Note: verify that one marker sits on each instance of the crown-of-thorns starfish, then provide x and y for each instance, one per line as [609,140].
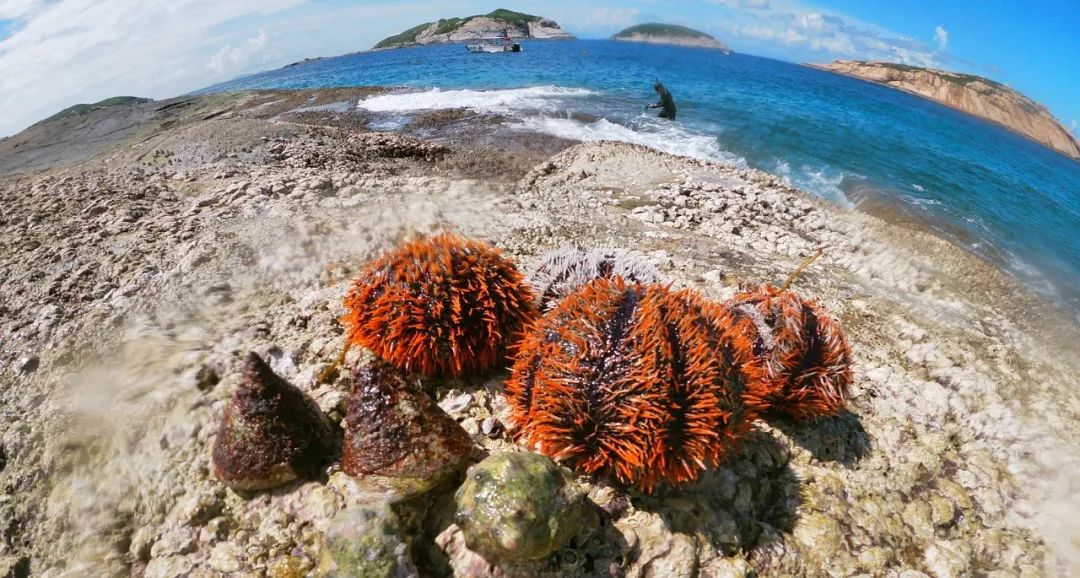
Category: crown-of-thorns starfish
[635,382]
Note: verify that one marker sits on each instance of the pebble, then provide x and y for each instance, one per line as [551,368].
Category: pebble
[171,567]
[456,405]
[29,364]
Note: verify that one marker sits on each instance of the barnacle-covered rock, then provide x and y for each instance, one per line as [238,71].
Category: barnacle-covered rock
[369,541]
[271,432]
[636,382]
[397,435]
[806,355]
[443,306]
[515,507]
[562,271]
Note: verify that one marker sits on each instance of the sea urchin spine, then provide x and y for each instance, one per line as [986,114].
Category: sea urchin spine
[442,306]
[804,351]
[562,271]
[636,382]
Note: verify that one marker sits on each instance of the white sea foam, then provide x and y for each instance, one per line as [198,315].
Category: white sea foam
[543,109]
[390,124]
[332,107]
[667,137]
[822,181]
[540,98]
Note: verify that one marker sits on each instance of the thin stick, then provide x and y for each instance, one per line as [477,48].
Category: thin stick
[331,372]
[795,274]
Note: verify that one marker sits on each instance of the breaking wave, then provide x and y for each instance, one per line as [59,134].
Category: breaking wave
[825,182]
[540,98]
[671,138]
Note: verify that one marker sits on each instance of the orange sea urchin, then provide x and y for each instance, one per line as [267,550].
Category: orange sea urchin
[633,381]
[802,348]
[442,306]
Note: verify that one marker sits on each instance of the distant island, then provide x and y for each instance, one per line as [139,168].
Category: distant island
[968,93]
[496,23]
[654,33]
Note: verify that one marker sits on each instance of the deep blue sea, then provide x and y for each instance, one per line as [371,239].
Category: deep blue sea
[1003,197]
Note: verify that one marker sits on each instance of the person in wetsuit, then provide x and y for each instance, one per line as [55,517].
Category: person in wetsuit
[666,101]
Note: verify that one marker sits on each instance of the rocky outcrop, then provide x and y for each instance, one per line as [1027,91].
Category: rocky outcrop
[498,23]
[669,34]
[974,95]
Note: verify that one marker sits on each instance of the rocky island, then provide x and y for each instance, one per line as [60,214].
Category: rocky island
[496,23]
[206,249]
[654,33]
[968,93]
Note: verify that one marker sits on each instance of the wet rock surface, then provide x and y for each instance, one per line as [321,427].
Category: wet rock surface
[129,273]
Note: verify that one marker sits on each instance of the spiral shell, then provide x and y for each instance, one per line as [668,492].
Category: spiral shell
[271,432]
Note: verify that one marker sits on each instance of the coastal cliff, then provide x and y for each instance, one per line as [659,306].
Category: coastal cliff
[496,23]
[974,95]
[654,33]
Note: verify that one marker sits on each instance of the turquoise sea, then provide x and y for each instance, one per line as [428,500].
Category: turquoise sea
[1003,197]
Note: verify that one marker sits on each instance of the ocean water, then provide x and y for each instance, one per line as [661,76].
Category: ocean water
[851,142]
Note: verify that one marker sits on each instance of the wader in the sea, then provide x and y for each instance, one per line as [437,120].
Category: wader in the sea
[666,102]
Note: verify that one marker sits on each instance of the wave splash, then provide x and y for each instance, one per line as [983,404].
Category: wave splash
[540,98]
[671,139]
[549,110]
[825,182]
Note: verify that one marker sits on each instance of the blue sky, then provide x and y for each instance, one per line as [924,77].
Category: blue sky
[54,53]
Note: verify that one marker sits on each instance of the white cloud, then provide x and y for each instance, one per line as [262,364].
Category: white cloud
[232,60]
[13,9]
[790,29]
[1072,125]
[84,50]
[602,20]
[751,4]
[941,37]
[63,52]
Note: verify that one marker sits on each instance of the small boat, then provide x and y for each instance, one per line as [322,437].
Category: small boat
[494,44]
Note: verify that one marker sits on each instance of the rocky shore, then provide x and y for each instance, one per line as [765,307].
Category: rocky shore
[139,279]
